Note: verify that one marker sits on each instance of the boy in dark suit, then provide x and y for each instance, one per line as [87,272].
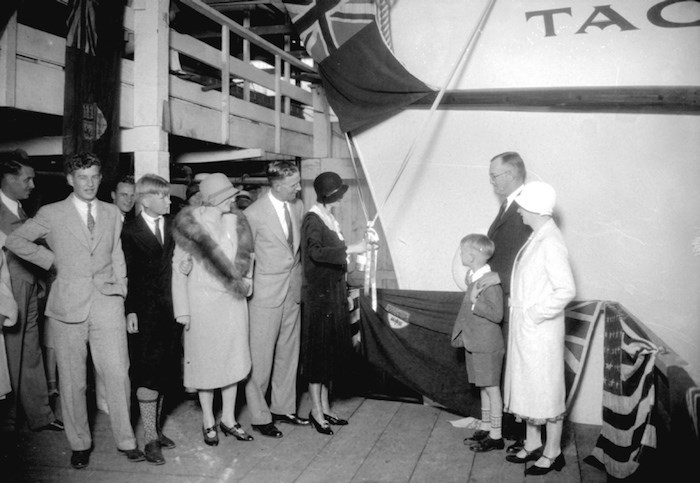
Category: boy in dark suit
[477,329]
[153,339]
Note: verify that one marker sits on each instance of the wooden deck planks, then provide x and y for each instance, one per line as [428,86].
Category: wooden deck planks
[386,441]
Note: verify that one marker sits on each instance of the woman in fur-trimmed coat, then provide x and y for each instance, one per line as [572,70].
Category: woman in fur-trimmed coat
[211,265]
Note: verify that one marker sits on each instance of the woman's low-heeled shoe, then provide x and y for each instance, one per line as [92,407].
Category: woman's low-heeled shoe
[236,431]
[533,455]
[211,441]
[335,421]
[320,428]
[556,464]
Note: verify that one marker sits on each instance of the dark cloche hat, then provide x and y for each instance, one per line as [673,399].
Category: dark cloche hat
[329,187]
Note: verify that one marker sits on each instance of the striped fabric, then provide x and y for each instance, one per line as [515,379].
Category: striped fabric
[628,395]
[581,319]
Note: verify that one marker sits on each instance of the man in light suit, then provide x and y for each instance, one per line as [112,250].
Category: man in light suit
[86,301]
[275,220]
[22,341]
[508,232]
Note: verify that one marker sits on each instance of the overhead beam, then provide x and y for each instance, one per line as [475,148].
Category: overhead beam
[649,99]
[217,156]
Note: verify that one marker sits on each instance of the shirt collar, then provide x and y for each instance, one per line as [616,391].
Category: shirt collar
[474,276]
[12,205]
[511,197]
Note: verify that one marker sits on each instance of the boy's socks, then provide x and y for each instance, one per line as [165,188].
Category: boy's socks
[495,430]
[485,419]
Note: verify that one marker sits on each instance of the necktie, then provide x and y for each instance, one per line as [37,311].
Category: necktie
[22,215]
[502,210]
[90,219]
[159,235]
[288,219]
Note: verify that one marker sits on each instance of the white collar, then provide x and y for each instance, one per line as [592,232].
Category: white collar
[474,276]
[12,205]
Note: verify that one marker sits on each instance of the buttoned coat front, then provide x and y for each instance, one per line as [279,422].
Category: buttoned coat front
[541,286]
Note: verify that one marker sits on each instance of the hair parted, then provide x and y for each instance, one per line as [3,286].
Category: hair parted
[152,184]
[480,243]
[11,162]
[515,161]
[278,170]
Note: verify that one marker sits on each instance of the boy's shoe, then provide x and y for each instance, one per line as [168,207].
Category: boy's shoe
[487,444]
[478,435]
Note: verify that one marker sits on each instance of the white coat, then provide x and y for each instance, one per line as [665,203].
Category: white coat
[541,286]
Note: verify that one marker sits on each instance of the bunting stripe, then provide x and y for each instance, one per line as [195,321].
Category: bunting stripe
[628,396]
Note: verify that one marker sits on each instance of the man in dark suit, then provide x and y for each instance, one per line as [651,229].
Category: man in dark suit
[123,196]
[22,341]
[86,302]
[153,334]
[509,233]
[275,220]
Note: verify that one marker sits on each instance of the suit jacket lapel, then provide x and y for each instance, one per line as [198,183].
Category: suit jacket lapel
[144,233]
[102,223]
[510,212]
[75,223]
[273,221]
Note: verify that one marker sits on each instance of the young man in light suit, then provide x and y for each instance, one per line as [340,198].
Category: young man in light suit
[275,220]
[86,301]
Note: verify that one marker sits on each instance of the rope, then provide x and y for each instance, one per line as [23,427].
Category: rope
[384,17]
[462,58]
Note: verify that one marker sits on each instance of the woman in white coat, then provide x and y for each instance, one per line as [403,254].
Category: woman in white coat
[541,286]
[211,279]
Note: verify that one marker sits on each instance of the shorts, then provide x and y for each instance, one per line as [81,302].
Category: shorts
[484,368]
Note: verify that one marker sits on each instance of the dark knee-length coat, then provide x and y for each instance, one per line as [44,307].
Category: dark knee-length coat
[325,331]
[155,350]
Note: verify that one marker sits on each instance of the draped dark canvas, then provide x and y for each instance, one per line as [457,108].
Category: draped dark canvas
[365,83]
[92,82]
[419,355]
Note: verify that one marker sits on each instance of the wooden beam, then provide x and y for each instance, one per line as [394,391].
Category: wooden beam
[273,30]
[649,99]
[216,156]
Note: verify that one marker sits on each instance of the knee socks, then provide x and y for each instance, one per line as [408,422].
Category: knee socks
[485,419]
[148,404]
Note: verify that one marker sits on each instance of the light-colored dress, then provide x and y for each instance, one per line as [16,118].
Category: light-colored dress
[541,286]
[207,287]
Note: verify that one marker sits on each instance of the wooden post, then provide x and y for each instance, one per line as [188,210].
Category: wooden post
[8,63]
[225,83]
[278,104]
[151,57]
[322,124]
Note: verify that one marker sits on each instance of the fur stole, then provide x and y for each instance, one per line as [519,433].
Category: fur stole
[192,237]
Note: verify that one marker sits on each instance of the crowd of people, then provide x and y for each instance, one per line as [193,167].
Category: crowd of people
[209,299]
[217,297]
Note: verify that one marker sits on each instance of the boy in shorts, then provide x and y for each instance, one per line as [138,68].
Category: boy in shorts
[477,329]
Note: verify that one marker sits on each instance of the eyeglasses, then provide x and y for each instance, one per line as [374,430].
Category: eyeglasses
[494,176]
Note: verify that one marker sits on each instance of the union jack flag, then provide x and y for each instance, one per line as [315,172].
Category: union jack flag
[581,319]
[324,25]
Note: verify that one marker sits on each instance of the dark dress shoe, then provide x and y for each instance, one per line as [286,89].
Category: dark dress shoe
[289,419]
[516,447]
[80,459]
[533,455]
[236,431]
[134,455]
[335,421]
[487,444]
[55,425]
[269,430]
[478,435]
[324,428]
[210,440]
[153,453]
[554,464]
[165,442]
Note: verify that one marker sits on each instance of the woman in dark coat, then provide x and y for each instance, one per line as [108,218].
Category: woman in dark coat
[325,333]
